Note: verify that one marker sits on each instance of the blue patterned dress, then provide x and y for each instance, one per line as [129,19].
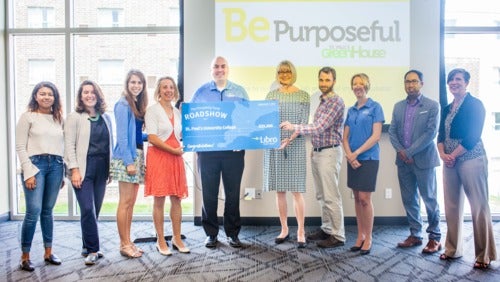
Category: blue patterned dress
[285,170]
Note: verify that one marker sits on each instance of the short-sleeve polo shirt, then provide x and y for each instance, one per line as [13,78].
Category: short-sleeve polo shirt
[360,122]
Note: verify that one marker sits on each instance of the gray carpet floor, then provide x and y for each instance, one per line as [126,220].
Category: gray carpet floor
[260,260]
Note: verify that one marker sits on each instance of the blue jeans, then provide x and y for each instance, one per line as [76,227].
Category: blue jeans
[41,200]
[414,182]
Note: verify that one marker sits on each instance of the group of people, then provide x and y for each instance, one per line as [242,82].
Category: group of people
[82,147]
[358,136]
[416,121]
[84,142]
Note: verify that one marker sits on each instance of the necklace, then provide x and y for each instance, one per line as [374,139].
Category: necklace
[96,118]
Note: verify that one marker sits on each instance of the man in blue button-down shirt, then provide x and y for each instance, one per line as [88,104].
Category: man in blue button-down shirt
[229,164]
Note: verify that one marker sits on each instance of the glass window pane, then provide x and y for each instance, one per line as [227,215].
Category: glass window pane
[41,69]
[41,17]
[38,14]
[104,58]
[125,13]
[107,62]
[481,13]
[110,17]
[110,72]
[37,58]
[112,56]
[33,63]
[474,52]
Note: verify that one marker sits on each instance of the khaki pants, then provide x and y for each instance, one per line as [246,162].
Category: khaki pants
[325,170]
[470,178]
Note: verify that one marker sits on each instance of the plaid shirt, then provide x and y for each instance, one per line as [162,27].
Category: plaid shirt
[326,129]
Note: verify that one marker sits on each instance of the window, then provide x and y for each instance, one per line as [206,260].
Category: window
[110,71]
[41,17]
[173,66]
[40,70]
[74,50]
[110,18]
[496,117]
[474,46]
[174,16]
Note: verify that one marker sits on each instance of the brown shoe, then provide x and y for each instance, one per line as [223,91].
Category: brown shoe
[410,242]
[330,242]
[318,235]
[432,247]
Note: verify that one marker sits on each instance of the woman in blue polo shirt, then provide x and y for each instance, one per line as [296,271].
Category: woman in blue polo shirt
[362,130]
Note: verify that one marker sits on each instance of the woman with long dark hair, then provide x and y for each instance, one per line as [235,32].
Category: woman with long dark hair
[40,147]
[127,165]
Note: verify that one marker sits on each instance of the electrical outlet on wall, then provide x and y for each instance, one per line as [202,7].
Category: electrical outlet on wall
[388,193]
[249,193]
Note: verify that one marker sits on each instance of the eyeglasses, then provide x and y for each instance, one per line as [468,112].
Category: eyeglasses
[285,72]
[412,81]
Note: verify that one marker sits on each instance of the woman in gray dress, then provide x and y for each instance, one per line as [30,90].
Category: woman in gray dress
[285,168]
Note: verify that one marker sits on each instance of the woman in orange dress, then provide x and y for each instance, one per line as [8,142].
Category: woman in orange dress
[165,174]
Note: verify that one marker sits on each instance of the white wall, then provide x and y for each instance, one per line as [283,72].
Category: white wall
[199,34]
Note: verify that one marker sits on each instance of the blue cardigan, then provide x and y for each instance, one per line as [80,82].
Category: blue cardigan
[125,148]
[467,124]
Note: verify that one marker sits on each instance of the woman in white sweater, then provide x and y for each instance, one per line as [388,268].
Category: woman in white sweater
[40,146]
[166,176]
[88,146]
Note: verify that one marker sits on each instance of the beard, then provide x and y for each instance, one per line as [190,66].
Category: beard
[326,90]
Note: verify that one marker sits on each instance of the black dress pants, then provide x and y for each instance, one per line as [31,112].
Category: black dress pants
[211,166]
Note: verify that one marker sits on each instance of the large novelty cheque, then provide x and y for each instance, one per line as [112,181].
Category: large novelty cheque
[222,126]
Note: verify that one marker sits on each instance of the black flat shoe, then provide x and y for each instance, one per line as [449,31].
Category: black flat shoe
[26,265]
[301,245]
[53,259]
[279,240]
[364,252]
[356,248]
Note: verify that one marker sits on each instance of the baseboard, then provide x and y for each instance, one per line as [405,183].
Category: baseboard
[5,217]
[310,221]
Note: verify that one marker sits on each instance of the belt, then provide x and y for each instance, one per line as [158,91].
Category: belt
[323,148]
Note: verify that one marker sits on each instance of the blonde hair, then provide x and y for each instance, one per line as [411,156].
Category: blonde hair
[364,78]
[157,94]
[288,66]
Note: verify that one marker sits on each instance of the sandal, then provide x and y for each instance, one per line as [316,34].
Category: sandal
[137,249]
[444,256]
[129,252]
[481,265]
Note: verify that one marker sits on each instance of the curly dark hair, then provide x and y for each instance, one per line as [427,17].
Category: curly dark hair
[100,106]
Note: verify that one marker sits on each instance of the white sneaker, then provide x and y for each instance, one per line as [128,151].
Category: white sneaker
[91,259]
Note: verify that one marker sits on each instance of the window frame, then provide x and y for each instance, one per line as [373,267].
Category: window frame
[68,31]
